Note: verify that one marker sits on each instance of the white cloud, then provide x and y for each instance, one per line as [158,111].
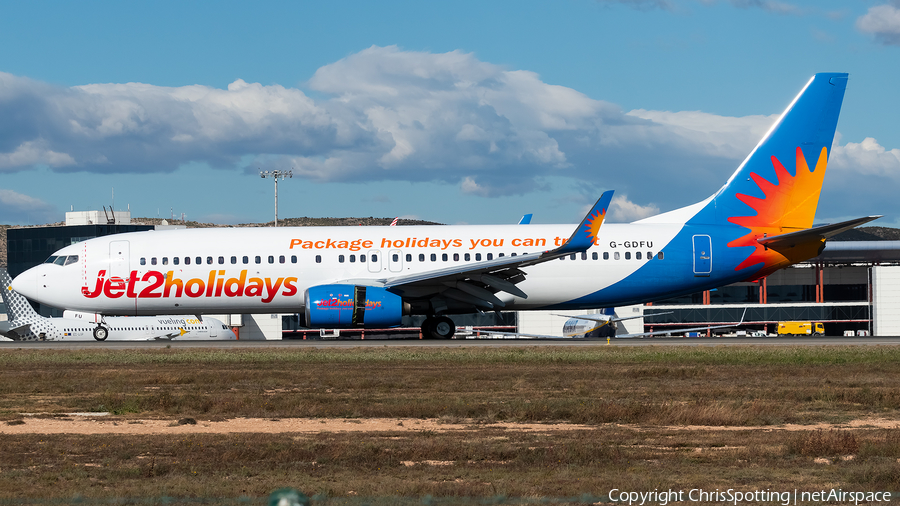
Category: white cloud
[866,158]
[31,153]
[387,115]
[17,208]
[882,21]
[622,210]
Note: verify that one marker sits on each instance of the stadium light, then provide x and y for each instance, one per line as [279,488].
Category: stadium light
[276,175]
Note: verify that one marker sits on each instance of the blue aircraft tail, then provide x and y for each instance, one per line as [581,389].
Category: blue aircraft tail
[777,186]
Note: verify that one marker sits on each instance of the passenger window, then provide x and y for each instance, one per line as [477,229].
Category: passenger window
[318,259]
[637,255]
[245,259]
[271,259]
[341,258]
[444,257]
[584,255]
[627,255]
[198,260]
[572,256]
[395,257]
[408,257]
[659,255]
[512,255]
[649,255]
[468,257]
[499,255]
[352,259]
[143,260]
[362,258]
[477,257]
[165,260]
[374,258]
[616,255]
[175,260]
[490,256]
[221,260]
[293,259]
[187,260]
[606,255]
[233,260]
[594,255]
[421,257]
[281,259]
[433,257]
[153,261]
[257,259]
[209,260]
[456,257]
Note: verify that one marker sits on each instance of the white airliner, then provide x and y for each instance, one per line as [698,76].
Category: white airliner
[25,324]
[369,277]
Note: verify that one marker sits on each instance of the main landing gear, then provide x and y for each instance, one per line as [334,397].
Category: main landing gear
[438,327]
[100,333]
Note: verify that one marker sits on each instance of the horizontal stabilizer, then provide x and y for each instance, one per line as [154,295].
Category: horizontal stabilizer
[815,234]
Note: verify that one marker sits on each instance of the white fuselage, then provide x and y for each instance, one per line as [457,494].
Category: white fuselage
[267,270]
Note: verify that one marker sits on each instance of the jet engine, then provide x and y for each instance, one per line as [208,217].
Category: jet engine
[348,306]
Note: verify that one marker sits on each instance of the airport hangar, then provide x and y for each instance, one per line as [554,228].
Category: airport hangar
[854,285]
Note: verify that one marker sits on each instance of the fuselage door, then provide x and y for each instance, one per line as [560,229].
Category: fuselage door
[374,260]
[395,260]
[119,259]
[702,255]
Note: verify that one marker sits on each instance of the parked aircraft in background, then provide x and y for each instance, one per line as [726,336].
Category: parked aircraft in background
[369,277]
[25,324]
[604,325]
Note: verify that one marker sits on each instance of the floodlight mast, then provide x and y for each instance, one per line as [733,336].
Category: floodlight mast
[276,174]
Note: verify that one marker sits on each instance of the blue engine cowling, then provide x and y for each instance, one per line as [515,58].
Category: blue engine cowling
[348,306]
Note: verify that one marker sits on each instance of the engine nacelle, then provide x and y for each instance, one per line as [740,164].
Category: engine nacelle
[348,306]
[79,315]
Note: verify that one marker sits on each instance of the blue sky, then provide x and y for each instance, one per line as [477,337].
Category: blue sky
[458,112]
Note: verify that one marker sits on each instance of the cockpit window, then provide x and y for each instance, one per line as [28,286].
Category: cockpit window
[60,260]
[51,260]
[71,259]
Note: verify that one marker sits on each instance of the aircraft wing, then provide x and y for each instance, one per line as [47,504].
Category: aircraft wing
[602,320]
[476,283]
[811,235]
[692,329]
[623,336]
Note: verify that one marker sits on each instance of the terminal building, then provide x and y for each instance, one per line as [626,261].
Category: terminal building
[852,287]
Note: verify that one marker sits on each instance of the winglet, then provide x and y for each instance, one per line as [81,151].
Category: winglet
[586,233]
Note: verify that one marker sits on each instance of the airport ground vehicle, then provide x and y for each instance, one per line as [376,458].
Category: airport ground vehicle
[801,329]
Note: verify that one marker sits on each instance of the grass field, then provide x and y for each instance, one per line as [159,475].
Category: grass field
[635,403]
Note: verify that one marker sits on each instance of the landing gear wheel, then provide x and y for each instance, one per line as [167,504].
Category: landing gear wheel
[426,328]
[100,333]
[443,328]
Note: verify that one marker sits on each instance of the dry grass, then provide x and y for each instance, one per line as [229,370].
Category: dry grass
[648,389]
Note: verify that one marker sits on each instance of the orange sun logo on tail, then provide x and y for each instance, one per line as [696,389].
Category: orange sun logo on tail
[592,225]
[789,205]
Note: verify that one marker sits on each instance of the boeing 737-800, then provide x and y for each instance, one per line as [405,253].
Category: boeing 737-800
[369,277]
[25,324]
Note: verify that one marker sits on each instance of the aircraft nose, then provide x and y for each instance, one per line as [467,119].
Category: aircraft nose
[26,283]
